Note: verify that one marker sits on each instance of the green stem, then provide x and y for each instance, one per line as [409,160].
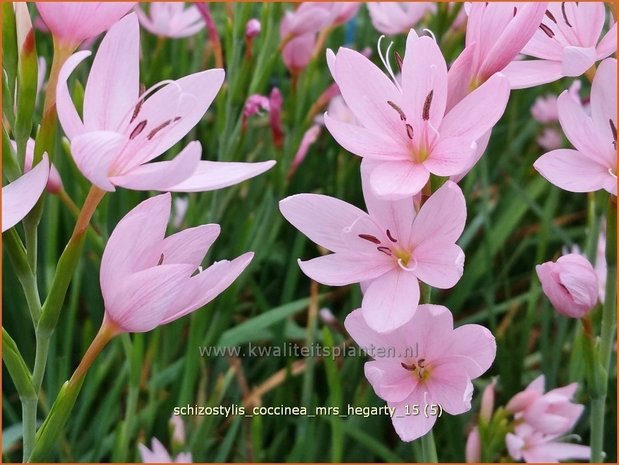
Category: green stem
[17,255]
[40,360]
[597,429]
[29,419]
[428,448]
[609,311]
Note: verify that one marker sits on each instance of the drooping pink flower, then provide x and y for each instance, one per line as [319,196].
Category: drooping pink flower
[535,447]
[159,454]
[404,127]
[593,165]
[472,449]
[398,17]
[388,249]
[552,412]
[54,182]
[570,284]
[565,44]
[496,32]
[148,280]
[121,130]
[21,195]
[171,19]
[71,23]
[424,362]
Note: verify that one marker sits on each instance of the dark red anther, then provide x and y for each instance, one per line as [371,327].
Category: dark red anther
[137,130]
[369,237]
[391,238]
[426,106]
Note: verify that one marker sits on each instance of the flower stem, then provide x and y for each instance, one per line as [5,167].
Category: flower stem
[428,448]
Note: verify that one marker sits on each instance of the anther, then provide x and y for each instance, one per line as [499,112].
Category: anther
[426,106]
[409,131]
[160,260]
[138,105]
[398,109]
[410,367]
[385,250]
[158,128]
[391,238]
[369,237]
[515,11]
[421,362]
[613,130]
[137,130]
[551,16]
[547,30]
[398,60]
[564,14]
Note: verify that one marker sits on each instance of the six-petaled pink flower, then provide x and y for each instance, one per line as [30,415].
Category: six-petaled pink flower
[387,249]
[171,19]
[398,17]
[404,127]
[570,284]
[424,362]
[565,44]
[71,23]
[159,454]
[122,129]
[21,195]
[148,280]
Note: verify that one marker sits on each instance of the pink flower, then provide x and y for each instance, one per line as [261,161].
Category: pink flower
[171,19]
[570,284]
[254,105]
[546,110]
[276,102]
[534,447]
[21,195]
[398,17]
[54,182]
[159,454]
[404,128]
[71,23]
[566,44]
[387,250]
[423,363]
[178,430]
[122,131]
[472,448]
[593,165]
[252,28]
[148,280]
[550,139]
[487,402]
[550,413]
[310,136]
[496,32]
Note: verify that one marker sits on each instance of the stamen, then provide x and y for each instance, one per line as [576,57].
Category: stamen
[515,11]
[391,238]
[398,109]
[426,106]
[613,130]
[158,128]
[385,250]
[547,30]
[564,14]
[409,131]
[160,260]
[385,60]
[369,237]
[137,130]
[551,16]
[410,367]
[398,60]
[421,361]
[138,106]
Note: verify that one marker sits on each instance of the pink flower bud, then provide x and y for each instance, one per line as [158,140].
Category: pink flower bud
[487,402]
[252,28]
[473,447]
[275,117]
[570,284]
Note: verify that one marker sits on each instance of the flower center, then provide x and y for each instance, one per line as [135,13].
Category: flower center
[418,369]
[402,256]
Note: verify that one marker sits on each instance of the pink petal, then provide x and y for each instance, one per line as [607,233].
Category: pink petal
[171,112]
[158,176]
[189,246]
[577,60]
[390,300]
[394,180]
[529,73]
[515,445]
[390,381]
[588,21]
[114,80]
[135,243]
[21,195]
[408,426]
[371,341]
[557,451]
[213,175]
[473,446]
[67,114]
[451,388]
[367,97]
[573,171]
[340,270]
[451,156]
[478,112]
[460,75]
[94,153]
[141,301]
[423,71]
[442,217]
[321,218]
[364,142]
[207,285]
[472,348]
[604,97]
[608,44]
[439,264]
